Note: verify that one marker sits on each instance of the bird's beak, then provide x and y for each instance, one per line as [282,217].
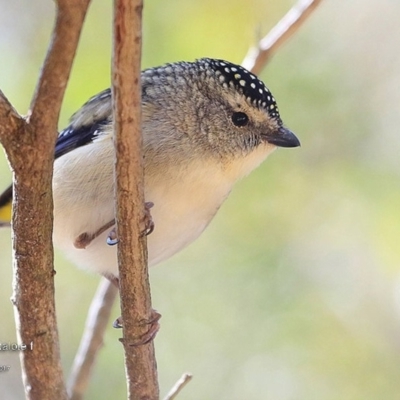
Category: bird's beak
[283,137]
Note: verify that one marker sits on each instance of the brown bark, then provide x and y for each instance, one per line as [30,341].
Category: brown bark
[140,362]
[29,145]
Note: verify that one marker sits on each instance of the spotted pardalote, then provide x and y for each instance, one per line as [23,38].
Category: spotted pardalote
[206,124]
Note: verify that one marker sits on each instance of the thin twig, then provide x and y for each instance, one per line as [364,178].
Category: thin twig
[257,57]
[175,390]
[137,315]
[92,338]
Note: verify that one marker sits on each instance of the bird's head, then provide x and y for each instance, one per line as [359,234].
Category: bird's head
[214,108]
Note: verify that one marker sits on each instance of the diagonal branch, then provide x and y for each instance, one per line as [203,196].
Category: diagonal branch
[92,339]
[257,57]
[179,385]
[11,121]
[56,69]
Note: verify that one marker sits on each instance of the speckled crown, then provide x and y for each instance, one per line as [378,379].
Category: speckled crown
[245,82]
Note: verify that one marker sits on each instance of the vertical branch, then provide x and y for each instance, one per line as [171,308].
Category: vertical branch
[140,363]
[29,146]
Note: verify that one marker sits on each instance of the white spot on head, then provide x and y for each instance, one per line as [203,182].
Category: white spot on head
[233,69]
[260,90]
[242,82]
[227,70]
[238,76]
[253,85]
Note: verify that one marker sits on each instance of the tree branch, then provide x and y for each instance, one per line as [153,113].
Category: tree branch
[179,385]
[92,339]
[12,122]
[30,147]
[140,363]
[57,65]
[257,57]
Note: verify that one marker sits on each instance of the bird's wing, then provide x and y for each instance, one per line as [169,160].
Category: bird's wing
[86,124]
[5,207]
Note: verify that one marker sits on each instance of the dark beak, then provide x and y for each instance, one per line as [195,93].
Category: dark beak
[283,137]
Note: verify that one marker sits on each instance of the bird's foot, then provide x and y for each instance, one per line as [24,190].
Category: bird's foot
[153,328]
[112,238]
[148,225]
[147,219]
[85,238]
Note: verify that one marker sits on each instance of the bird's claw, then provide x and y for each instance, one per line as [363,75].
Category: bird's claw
[148,219]
[85,238]
[154,327]
[112,238]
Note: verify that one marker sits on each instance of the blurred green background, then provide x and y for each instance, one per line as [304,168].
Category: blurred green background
[293,292]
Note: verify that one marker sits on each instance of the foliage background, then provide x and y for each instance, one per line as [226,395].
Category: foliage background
[293,292]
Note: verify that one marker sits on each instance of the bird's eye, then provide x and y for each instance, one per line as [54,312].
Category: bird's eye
[240,119]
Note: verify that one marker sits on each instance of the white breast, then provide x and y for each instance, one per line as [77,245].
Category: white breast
[184,203]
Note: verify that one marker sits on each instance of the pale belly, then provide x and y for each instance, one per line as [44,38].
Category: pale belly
[185,201]
[181,212]
[163,243]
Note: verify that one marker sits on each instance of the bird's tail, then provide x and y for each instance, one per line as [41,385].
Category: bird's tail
[5,207]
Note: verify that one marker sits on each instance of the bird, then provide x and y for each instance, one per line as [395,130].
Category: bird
[205,124]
